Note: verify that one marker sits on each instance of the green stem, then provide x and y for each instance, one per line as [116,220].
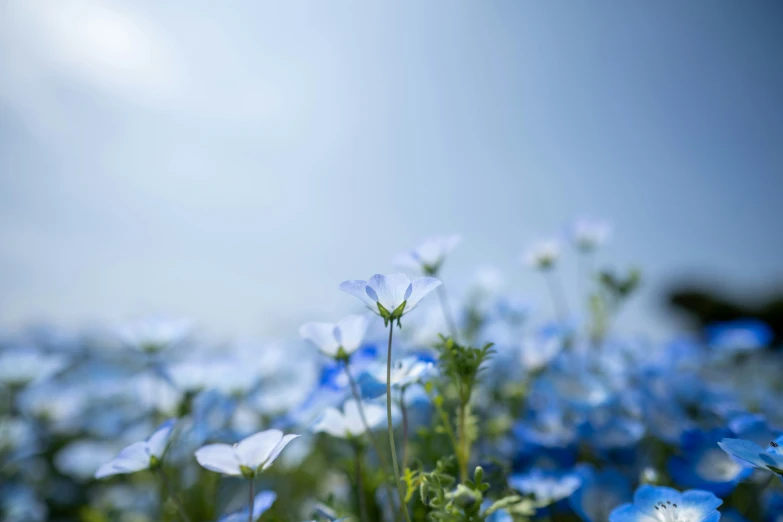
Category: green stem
[367,429]
[395,465]
[360,484]
[167,484]
[252,501]
[404,410]
[463,441]
[444,419]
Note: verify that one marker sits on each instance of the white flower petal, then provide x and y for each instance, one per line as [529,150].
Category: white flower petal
[156,443]
[321,335]
[390,290]
[421,286]
[358,288]
[350,332]
[278,449]
[220,458]
[331,422]
[255,449]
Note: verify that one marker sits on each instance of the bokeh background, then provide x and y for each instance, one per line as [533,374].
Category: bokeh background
[234,161]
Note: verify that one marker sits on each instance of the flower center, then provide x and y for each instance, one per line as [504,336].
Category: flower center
[668,512]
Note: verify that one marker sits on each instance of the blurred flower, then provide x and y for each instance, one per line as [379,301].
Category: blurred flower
[769,459]
[337,340]
[739,336]
[589,233]
[348,423]
[703,465]
[390,296]
[537,350]
[22,366]
[247,457]
[155,333]
[543,254]
[656,503]
[261,503]
[428,256]
[600,493]
[547,486]
[140,455]
[404,372]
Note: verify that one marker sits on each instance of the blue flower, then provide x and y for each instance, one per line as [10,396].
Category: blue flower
[661,504]
[390,296]
[349,423]
[545,485]
[769,459]
[262,502]
[340,339]
[406,371]
[703,465]
[601,492]
[428,256]
[139,455]
[739,336]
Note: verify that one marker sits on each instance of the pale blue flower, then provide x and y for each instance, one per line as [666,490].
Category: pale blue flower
[601,492]
[140,455]
[769,459]
[247,457]
[542,254]
[263,501]
[348,422]
[390,296]
[589,233]
[739,336]
[662,504]
[404,372]
[340,339]
[547,486]
[155,333]
[428,256]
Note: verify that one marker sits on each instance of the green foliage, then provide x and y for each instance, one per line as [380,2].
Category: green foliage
[461,365]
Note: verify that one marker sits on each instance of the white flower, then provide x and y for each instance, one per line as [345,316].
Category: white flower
[154,334]
[348,423]
[139,455]
[19,367]
[588,233]
[342,338]
[428,256]
[542,254]
[391,296]
[536,351]
[247,457]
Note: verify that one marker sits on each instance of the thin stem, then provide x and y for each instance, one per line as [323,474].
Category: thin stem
[444,304]
[404,410]
[395,464]
[367,429]
[251,501]
[167,484]
[444,419]
[557,294]
[360,484]
[463,441]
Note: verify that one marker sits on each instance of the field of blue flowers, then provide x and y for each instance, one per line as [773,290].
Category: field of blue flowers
[428,406]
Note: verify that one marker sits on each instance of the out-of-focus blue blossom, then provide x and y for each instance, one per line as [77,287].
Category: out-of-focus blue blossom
[547,428]
[702,464]
[732,515]
[20,504]
[542,254]
[741,335]
[247,457]
[589,233]
[261,503]
[385,294]
[753,427]
[348,422]
[428,256]
[600,493]
[773,506]
[404,372]
[769,459]
[609,430]
[537,350]
[336,339]
[140,455]
[655,503]
[21,366]
[82,458]
[546,485]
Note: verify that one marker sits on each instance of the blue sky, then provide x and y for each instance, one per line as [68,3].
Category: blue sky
[235,161]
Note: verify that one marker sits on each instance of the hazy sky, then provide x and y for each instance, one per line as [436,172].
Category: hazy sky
[234,161]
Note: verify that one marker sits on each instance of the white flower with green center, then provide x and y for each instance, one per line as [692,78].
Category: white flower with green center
[390,296]
[247,457]
[428,256]
[146,454]
[542,255]
[348,423]
[338,340]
